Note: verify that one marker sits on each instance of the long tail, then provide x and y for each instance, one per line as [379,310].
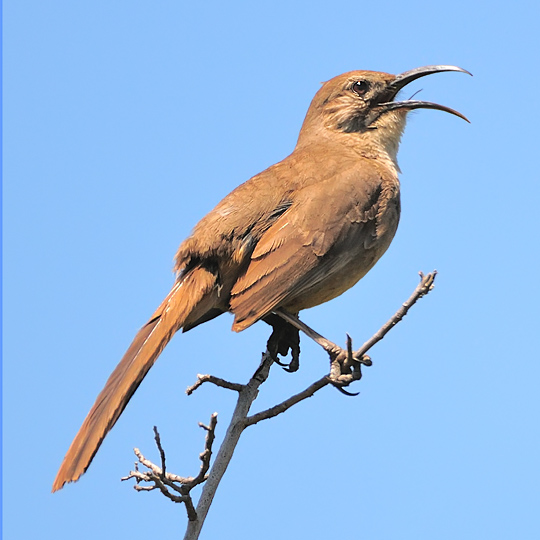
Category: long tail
[185,299]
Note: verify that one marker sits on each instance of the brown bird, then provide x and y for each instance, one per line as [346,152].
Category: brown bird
[294,236]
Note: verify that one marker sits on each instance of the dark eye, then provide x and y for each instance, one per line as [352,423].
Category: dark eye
[360,87]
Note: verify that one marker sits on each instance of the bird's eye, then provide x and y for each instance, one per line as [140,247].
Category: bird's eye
[360,87]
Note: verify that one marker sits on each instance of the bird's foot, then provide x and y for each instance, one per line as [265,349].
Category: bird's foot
[345,366]
[284,337]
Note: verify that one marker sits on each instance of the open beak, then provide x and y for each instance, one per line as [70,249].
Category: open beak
[404,79]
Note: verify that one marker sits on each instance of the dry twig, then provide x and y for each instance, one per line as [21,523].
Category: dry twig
[201,379]
[165,482]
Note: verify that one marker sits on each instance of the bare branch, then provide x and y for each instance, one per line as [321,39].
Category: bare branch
[206,455]
[201,379]
[288,403]
[246,397]
[424,287]
[154,474]
[165,481]
[160,448]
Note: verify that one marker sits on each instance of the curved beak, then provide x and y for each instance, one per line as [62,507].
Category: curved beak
[407,77]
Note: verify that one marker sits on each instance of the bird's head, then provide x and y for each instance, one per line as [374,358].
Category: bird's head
[365,101]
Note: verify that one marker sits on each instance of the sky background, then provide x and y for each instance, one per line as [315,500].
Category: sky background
[124,123]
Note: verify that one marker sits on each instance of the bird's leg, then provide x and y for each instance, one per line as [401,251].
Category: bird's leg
[344,365]
[284,337]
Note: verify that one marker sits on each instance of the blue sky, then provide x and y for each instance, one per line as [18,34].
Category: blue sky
[124,123]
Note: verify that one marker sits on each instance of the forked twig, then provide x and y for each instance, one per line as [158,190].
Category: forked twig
[164,481]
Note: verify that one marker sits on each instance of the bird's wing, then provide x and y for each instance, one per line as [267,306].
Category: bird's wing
[329,225]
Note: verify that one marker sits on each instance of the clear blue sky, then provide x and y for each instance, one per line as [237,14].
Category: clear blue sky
[125,122]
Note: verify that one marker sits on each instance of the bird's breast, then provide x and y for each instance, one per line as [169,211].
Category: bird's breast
[355,256]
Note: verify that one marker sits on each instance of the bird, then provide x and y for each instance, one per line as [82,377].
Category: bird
[296,235]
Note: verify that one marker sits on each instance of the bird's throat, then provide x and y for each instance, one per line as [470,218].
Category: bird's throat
[382,142]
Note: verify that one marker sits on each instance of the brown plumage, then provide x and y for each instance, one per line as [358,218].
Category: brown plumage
[292,237]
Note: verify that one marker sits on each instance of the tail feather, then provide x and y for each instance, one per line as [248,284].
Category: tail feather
[183,300]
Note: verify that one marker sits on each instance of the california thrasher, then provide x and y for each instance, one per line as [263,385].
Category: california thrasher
[292,237]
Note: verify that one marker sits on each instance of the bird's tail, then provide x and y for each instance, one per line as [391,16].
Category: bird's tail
[186,298]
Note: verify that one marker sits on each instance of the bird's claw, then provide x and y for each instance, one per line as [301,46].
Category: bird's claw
[345,366]
[289,367]
[344,392]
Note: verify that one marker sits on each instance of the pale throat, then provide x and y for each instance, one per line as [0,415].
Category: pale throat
[384,141]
